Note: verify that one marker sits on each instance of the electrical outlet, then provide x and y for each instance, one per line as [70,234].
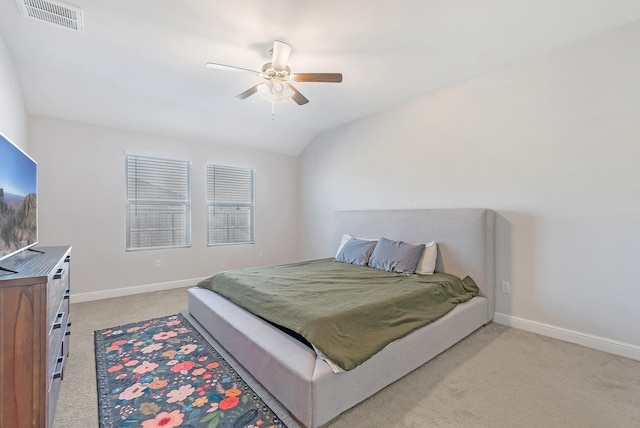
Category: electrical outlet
[260,254]
[158,264]
[506,287]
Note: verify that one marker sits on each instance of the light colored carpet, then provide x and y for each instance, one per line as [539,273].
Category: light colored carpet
[497,377]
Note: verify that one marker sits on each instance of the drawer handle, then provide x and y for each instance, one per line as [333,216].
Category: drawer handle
[60,363]
[58,322]
[66,294]
[67,259]
[58,274]
[68,331]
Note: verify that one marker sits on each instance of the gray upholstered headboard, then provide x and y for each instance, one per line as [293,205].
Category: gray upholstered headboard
[465,238]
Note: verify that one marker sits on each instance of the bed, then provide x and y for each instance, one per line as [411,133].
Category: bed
[305,384]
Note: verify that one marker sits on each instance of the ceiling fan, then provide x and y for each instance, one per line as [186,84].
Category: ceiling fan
[277,86]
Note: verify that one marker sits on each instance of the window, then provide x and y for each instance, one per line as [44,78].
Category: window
[231,204]
[158,203]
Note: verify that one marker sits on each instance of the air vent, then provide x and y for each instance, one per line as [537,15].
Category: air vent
[54,12]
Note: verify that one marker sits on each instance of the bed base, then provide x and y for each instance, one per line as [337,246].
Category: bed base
[307,386]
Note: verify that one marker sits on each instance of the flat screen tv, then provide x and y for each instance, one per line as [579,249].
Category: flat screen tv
[18,199]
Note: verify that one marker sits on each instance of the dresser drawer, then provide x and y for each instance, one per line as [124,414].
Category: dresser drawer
[57,336]
[54,388]
[56,288]
[66,341]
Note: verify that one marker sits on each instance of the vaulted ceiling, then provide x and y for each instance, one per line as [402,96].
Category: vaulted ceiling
[139,65]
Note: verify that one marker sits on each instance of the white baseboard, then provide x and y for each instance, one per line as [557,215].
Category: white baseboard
[600,343]
[128,291]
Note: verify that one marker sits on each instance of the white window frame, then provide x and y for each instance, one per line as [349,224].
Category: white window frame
[230,205]
[158,203]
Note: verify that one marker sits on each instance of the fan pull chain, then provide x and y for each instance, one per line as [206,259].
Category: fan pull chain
[273,111]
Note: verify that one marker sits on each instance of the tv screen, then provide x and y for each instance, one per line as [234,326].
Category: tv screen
[18,199]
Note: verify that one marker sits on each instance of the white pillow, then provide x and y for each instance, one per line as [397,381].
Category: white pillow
[345,238]
[427,263]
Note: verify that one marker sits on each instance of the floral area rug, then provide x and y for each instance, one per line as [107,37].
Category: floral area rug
[163,373]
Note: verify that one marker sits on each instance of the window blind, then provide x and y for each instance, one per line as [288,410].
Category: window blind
[158,203]
[230,204]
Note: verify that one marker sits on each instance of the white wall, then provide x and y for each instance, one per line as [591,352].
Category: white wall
[82,203]
[13,116]
[553,145]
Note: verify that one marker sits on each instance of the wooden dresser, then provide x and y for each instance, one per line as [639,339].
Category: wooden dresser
[34,335]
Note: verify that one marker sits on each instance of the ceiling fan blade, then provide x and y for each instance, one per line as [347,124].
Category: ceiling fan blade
[280,55]
[317,77]
[246,94]
[230,67]
[298,97]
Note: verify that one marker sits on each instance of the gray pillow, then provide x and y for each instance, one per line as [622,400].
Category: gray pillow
[396,256]
[356,251]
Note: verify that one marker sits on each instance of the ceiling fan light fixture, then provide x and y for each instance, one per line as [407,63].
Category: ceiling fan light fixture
[277,75]
[275,92]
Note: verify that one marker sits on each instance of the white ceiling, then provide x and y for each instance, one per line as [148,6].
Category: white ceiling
[140,63]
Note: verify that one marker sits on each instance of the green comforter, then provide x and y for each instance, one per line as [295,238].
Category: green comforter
[347,312]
